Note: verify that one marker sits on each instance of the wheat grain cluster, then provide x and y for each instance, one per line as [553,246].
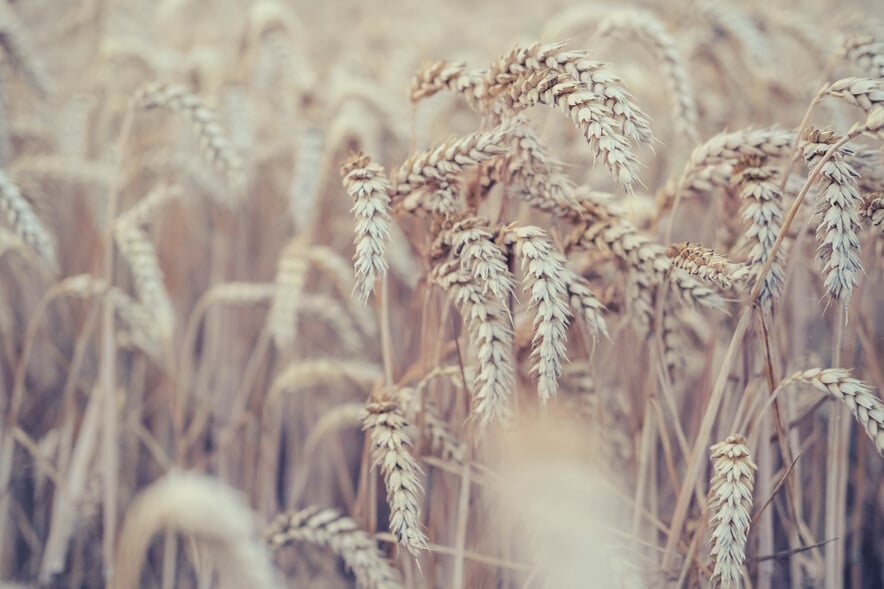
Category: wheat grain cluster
[393,294]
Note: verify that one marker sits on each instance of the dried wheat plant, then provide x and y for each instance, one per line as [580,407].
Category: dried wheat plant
[458,297]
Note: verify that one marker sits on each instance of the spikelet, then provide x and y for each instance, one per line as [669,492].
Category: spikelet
[370,190]
[25,222]
[837,207]
[544,269]
[328,527]
[873,210]
[762,211]
[385,424]
[217,148]
[730,501]
[864,93]
[864,405]
[491,338]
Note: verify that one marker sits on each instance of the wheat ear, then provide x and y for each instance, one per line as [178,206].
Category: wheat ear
[711,163]
[866,407]
[704,263]
[218,149]
[291,273]
[491,338]
[591,117]
[212,513]
[730,501]
[762,211]
[141,256]
[472,242]
[544,269]
[649,31]
[447,160]
[385,424]
[328,527]
[554,57]
[370,190]
[25,221]
[867,52]
[16,44]
[837,207]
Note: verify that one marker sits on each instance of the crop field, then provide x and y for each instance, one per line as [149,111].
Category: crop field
[468,295]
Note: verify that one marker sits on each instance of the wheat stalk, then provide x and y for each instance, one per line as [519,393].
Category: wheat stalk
[592,118]
[385,424]
[730,501]
[328,527]
[859,397]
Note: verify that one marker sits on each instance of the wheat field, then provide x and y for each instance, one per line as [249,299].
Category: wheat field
[470,295]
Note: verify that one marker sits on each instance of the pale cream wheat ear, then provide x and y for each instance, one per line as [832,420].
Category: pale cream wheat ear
[328,527]
[217,148]
[544,269]
[866,407]
[390,450]
[370,190]
[213,514]
[730,501]
[837,208]
[25,222]
[491,337]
